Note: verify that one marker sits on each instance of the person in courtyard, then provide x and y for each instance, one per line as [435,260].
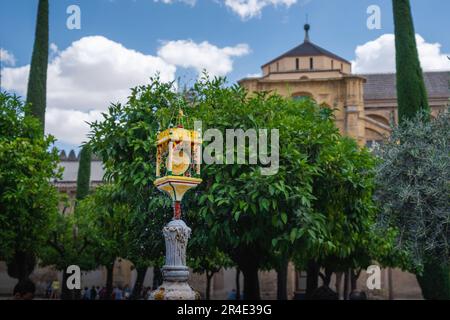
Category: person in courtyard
[55,289]
[86,294]
[118,294]
[102,293]
[24,290]
[127,292]
[93,293]
[324,293]
[358,295]
[232,295]
[48,291]
[146,293]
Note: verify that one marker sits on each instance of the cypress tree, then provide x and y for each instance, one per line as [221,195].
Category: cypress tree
[37,82]
[84,173]
[411,91]
[412,99]
[23,262]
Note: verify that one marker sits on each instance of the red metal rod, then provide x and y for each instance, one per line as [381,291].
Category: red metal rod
[177,210]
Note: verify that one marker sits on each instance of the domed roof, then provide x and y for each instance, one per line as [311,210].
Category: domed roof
[308,49]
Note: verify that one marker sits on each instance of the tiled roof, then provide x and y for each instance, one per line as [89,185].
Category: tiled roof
[383,86]
[73,157]
[307,49]
[70,164]
[70,172]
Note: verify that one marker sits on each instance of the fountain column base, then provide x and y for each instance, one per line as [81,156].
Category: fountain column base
[175,272]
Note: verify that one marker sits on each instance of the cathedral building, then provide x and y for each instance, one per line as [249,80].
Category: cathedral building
[365,109]
[365,104]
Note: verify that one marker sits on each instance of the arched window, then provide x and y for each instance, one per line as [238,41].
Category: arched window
[299,96]
[373,138]
[297,64]
[379,119]
[311,63]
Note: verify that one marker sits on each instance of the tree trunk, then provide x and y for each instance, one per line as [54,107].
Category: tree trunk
[238,284]
[251,282]
[109,281]
[338,284]
[66,293]
[282,274]
[209,276]
[312,278]
[354,280]
[326,276]
[390,285]
[157,277]
[248,259]
[347,285]
[141,273]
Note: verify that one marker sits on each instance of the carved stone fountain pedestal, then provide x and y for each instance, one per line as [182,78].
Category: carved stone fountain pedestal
[175,272]
[178,160]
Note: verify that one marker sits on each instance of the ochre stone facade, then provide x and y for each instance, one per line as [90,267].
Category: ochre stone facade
[365,105]
[332,88]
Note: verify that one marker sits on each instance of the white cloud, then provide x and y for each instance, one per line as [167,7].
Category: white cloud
[247,9]
[188,54]
[70,126]
[91,73]
[378,56]
[189,2]
[84,78]
[7,58]
[94,71]
[254,75]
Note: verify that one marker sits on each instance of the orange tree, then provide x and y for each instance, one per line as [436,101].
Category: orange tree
[125,140]
[258,220]
[28,200]
[316,207]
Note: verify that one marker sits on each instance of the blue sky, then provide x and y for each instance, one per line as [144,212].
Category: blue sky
[242,43]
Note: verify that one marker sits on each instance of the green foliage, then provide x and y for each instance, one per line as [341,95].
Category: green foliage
[343,192]
[71,234]
[203,256]
[27,197]
[237,211]
[411,90]
[435,280]
[37,83]
[126,142]
[84,173]
[414,189]
[241,207]
[108,221]
[70,241]
[145,242]
[319,204]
